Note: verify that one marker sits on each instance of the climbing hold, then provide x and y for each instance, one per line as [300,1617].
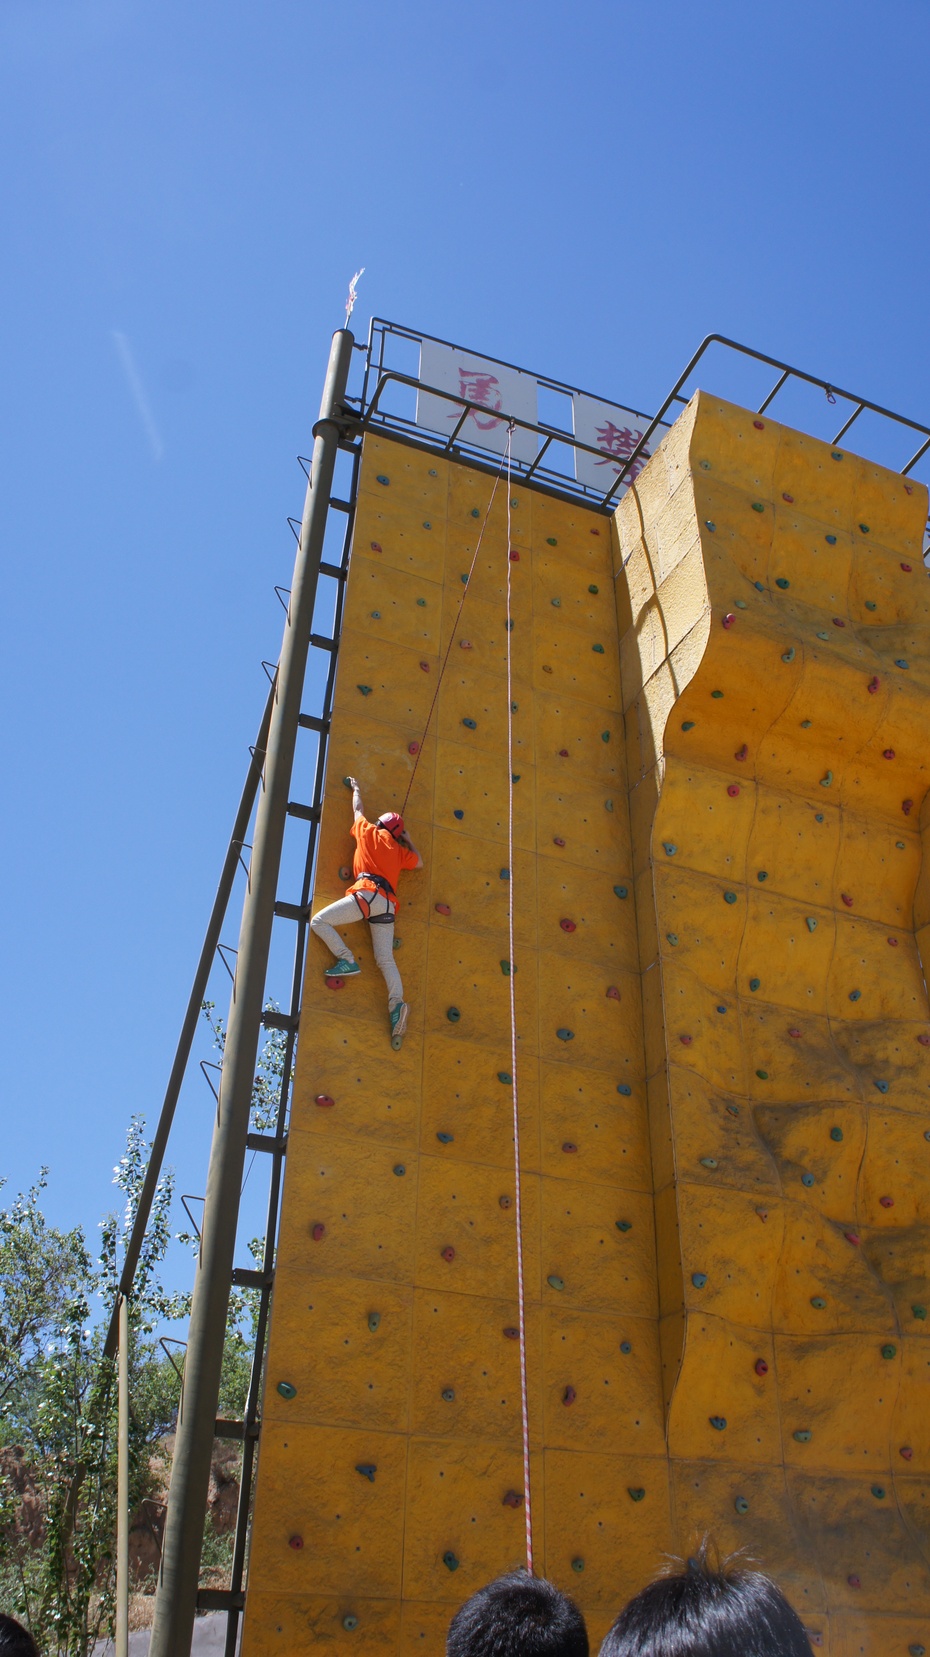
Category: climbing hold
[762,874]
[788,498]
[624,1089]
[458,814]
[557,840]
[906,568]
[450,1561]
[592,588]
[563,753]
[754,983]
[577,1564]
[565,1034]
[375,546]
[873,684]
[882,1087]
[823,636]
[505,968]
[716,694]
[374,1319]
[551,541]
[818,817]
[788,655]
[900,662]
[852,1579]
[442,909]
[324,1101]
[399,1169]
[916,1650]
[803,1435]
[569,1395]
[624,1225]
[836,1134]
[807,1179]
[447,1395]
[757,506]
[870,604]
[889,1351]
[721,1009]
[805,723]
[830,540]
[795,1034]
[470,724]
[818,1302]
[741,1504]
[376,615]
[893,942]
[297,1542]
[413,747]
[687,725]
[569,1148]
[512,1499]
[621,891]
[465,644]
[318,1232]
[845,897]
[286,1389]
[556,603]
[515,776]
[546,669]
[598,649]
[335,983]
[445,1138]
[424,667]
[704,465]
[503,1202]
[919,1312]
[759,425]
[742,753]
[759,586]
[699,1279]
[761,1367]
[464,580]
[505,874]
[811,923]
[718,1422]
[728,621]
[672,938]
[763,1075]
[605,736]
[669,848]
[368,1469]
[906,1452]
[448,1253]
[852,1237]
[635,1492]
[763,1214]
[626,1347]
[782,581]
[476,512]
[855,995]
[887,753]
[827,780]
[708,1162]
[453,1015]
[350,1622]
[505,1077]
[382,479]
[838,621]
[686,1040]
[365,689]
[733,790]
[555,1282]
[511,1334]
[924,1040]
[864,529]
[907,807]
[729,897]
[422,601]
[612,993]
[740,603]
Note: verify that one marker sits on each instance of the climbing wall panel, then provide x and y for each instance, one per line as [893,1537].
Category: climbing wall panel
[390,1479]
[773,609]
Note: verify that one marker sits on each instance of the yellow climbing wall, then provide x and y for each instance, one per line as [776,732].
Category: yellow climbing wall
[726,1057]
[776,675]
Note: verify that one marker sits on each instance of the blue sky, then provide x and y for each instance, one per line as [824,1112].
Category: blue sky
[585,189]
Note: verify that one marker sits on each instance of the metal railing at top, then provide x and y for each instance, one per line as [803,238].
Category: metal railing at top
[539,472]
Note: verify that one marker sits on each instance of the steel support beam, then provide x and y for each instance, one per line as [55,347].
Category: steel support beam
[176,1600]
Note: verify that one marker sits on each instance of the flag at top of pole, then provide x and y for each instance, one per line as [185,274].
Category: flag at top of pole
[352,296]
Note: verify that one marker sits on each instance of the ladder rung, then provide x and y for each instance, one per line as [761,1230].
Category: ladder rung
[287,912]
[309,813]
[265,1142]
[243,1278]
[219,1599]
[340,506]
[311,722]
[322,642]
[235,1429]
[335,570]
[281,1021]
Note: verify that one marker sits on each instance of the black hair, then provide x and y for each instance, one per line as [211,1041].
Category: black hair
[518,1615]
[708,1609]
[14,1639]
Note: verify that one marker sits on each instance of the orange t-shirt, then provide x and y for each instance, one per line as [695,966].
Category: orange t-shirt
[379,853]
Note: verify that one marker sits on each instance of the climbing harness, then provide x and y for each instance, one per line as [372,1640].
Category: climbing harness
[518,1216]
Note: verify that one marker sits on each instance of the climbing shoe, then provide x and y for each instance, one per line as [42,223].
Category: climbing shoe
[399,1016]
[341,969]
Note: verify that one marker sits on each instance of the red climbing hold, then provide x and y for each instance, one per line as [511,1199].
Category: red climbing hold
[759,425]
[514,556]
[846,899]
[873,685]
[512,1499]
[569,1395]
[511,1334]
[794,1034]
[762,1367]
[465,644]
[924,1040]
[557,841]
[728,620]
[907,807]
[597,531]
[567,926]
[443,909]
[503,1202]
[345,873]
[887,1202]
[298,1541]
[763,1213]
[852,1237]
[788,498]
[569,1148]
[335,983]
[685,1040]
[376,546]
[413,747]
[887,753]
[742,753]
[424,667]
[906,1452]
[563,753]
[613,994]
[318,1232]
[906,568]
[838,622]
[324,1100]
[893,942]
[733,790]
[853,1581]
[448,1253]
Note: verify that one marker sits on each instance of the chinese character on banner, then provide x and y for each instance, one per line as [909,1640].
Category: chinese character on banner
[502,391]
[616,432]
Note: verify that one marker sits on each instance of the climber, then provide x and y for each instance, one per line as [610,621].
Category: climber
[382,850]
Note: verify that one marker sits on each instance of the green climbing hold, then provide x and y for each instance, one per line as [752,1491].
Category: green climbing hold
[704,465]
[740,603]
[556,603]
[864,528]
[598,649]
[555,1282]
[763,1075]
[818,1302]
[889,1351]
[374,1319]
[757,506]
[836,1133]
[920,1312]
[450,1561]
[878,1491]
[515,776]
[687,724]
[592,588]
[803,1435]
[835,454]
[422,603]
[716,694]
[672,938]
[788,655]
[505,1077]
[708,1162]
[805,724]
[826,781]
[286,1389]
[823,636]
[763,874]
[754,983]
[729,897]
[505,968]
[453,1015]
[621,891]
[565,1035]
[635,1493]
[464,580]
[782,581]
[624,1225]
[605,736]
[577,1564]
[900,845]
[811,923]
[870,604]
[551,541]
[741,1504]
[365,689]
[608,805]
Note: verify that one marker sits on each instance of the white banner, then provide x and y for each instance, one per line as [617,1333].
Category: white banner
[482,381]
[616,432]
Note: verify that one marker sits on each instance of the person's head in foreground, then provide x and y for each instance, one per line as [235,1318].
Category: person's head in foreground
[708,1609]
[14,1640]
[518,1616]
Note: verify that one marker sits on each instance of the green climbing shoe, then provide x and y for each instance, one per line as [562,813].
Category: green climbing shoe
[341,969]
[399,1016]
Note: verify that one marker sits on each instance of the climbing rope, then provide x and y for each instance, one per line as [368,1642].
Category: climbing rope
[521,1299]
[505,459]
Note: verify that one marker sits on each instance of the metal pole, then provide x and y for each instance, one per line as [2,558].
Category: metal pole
[122,1487]
[191,1018]
[176,1600]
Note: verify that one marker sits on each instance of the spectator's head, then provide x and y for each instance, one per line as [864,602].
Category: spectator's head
[14,1640]
[708,1609]
[518,1616]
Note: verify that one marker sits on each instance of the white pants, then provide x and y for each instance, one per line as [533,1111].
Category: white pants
[343,913]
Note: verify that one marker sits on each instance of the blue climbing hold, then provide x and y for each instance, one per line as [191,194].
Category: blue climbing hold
[718,1422]
[882,1087]
[505,1077]
[626,1348]
[699,1279]
[782,581]
[470,724]
[565,1035]
[382,478]
[458,814]
[669,848]
[621,891]
[368,1469]
[755,983]
[505,874]
[855,995]
[622,1088]
[807,1179]
[445,1138]
[900,662]
[624,1225]
[830,540]
[450,1561]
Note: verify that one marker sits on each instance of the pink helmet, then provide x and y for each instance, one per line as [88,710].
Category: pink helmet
[392,821]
